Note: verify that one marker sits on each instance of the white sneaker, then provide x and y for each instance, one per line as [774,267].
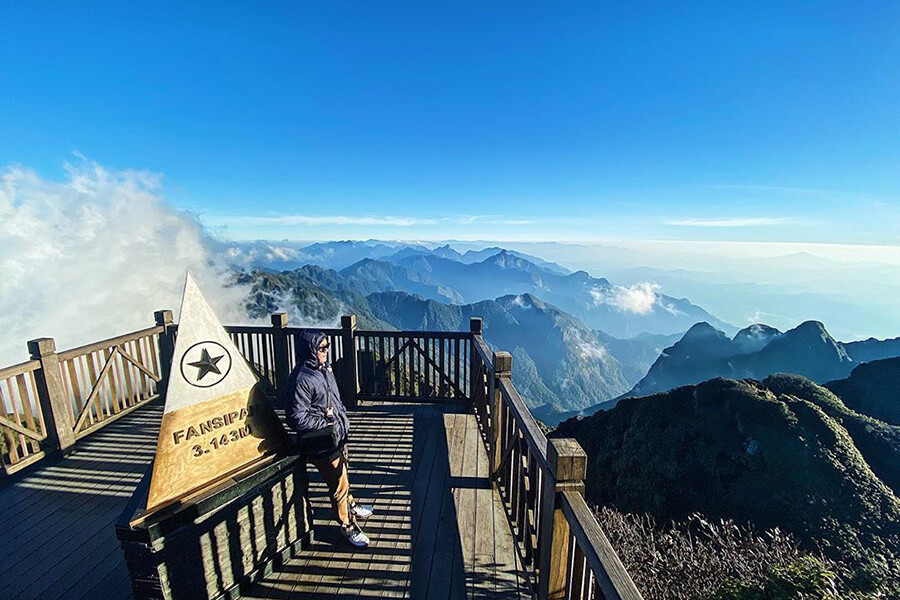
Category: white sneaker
[361,511]
[356,536]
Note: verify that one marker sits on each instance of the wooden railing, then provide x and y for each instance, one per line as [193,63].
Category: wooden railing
[541,483]
[22,427]
[412,365]
[109,379]
[56,398]
[51,401]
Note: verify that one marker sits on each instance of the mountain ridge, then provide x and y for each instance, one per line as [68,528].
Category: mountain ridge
[752,451]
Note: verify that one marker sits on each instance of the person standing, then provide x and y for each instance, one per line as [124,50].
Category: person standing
[311,392]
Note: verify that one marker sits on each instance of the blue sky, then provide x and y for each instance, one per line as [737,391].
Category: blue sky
[764,121]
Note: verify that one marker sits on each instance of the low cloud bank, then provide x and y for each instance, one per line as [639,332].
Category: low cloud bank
[94,255]
[638,299]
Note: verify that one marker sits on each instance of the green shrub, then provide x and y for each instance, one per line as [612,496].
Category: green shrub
[805,578]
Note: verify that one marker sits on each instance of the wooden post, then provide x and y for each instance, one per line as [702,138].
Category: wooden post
[474,330]
[166,347]
[280,349]
[502,370]
[349,377]
[568,466]
[476,325]
[54,400]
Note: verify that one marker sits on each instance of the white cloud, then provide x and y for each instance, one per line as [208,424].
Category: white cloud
[494,220]
[728,222]
[639,298]
[95,255]
[318,220]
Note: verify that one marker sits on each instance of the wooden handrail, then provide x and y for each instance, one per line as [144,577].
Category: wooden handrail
[487,357]
[534,437]
[104,344]
[19,369]
[446,335]
[248,328]
[325,330]
[611,577]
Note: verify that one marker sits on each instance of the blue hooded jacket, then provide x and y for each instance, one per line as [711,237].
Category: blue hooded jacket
[307,390]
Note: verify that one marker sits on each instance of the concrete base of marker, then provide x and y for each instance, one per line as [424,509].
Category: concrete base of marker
[222,542]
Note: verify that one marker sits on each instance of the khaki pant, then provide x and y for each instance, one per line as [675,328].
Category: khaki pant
[335,474]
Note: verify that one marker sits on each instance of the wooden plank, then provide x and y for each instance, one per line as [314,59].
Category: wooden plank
[94,393]
[40,483]
[51,567]
[31,435]
[11,441]
[509,578]
[389,534]
[60,517]
[127,375]
[484,569]
[143,384]
[431,481]
[22,442]
[576,583]
[410,369]
[381,371]
[97,390]
[465,496]
[75,386]
[456,365]
[371,562]
[76,542]
[121,379]
[154,361]
[366,375]
[443,368]
[396,358]
[444,582]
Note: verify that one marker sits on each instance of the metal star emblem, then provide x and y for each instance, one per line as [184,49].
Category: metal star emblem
[207,364]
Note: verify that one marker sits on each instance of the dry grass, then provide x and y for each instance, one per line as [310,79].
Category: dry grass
[690,560]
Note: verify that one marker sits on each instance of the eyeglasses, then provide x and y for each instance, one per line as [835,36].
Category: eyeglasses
[323,348]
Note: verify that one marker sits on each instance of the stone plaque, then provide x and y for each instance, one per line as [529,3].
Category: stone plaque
[216,420]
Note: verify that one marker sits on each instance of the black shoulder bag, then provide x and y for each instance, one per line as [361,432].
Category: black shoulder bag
[320,442]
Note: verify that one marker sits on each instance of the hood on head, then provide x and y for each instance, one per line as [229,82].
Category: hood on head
[307,342]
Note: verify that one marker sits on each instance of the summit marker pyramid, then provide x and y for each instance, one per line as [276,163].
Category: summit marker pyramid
[216,419]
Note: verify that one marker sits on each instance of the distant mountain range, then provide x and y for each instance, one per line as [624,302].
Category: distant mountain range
[757,352]
[614,341]
[784,452]
[287,255]
[621,312]
[558,363]
[442,273]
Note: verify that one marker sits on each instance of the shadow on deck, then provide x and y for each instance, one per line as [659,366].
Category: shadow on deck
[439,530]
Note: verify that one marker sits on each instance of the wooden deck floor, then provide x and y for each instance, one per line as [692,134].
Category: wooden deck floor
[439,530]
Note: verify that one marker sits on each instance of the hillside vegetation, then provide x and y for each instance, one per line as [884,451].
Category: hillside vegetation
[873,388]
[781,453]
